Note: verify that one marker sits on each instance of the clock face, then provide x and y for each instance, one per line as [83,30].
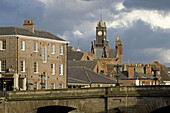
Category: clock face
[104,33]
[99,33]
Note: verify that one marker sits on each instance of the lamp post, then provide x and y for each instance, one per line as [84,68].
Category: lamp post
[42,76]
[117,74]
[154,74]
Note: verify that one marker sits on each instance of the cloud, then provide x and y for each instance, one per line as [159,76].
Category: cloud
[152,17]
[77,33]
[142,25]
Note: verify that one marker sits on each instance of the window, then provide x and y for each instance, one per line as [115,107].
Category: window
[35,85]
[99,85]
[22,66]
[22,45]
[52,49]
[61,69]
[115,69]
[35,47]
[60,86]
[52,69]
[44,53]
[52,85]
[2,65]
[159,73]
[2,44]
[61,50]
[120,68]
[35,67]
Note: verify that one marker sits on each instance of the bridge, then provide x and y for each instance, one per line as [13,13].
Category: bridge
[123,99]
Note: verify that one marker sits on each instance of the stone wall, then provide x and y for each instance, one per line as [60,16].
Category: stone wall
[142,99]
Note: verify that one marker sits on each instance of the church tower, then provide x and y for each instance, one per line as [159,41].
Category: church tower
[101,43]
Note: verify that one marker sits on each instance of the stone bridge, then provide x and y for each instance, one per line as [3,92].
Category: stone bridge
[140,99]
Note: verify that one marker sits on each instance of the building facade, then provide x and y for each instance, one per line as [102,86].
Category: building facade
[31,59]
[100,48]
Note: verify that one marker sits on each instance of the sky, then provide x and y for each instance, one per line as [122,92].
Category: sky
[143,26]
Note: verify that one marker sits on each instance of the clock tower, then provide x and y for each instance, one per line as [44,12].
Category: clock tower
[101,42]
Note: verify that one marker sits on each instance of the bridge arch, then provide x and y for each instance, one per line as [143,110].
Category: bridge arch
[33,106]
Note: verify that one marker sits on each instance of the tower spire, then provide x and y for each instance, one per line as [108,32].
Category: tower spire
[101,13]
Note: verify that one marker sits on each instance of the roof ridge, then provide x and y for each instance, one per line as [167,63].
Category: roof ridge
[87,75]
[99,74]
[77,79]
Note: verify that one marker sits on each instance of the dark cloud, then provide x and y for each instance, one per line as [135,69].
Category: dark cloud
[141,37]
[63,17]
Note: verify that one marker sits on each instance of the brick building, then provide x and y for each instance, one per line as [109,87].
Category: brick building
[31,59]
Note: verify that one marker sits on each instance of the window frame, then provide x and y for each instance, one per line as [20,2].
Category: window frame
[2,68]
[44,53]
[2,47]
[52,49]
[22,66]
[52,85]
[61,50]
[61,70]
[35,67]
[22,45]
[35,47]
[52,68]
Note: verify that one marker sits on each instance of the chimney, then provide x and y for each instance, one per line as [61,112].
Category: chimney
[28,24]
[117,42]
[148,70]
[107,51]
[131,71]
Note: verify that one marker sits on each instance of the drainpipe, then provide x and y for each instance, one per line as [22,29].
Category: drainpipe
[17,55]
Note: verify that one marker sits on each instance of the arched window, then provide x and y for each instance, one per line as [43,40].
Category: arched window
[44,53]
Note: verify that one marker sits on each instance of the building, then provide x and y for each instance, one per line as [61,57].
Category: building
[79,77]
[31,59]
[100,47]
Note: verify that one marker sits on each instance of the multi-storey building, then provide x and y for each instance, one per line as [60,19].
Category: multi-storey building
[31,59]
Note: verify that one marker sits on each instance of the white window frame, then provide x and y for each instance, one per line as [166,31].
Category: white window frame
[2,44]
[44,53]
[23,70]
[60,69]
[22,45]
[61,50]
[35,47]
[1,66]
[53,69]
[52,49]
[36,66]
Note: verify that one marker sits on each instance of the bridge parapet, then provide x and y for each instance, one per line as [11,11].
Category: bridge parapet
[90,92]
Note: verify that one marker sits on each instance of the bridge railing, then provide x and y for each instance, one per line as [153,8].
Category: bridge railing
[90,92]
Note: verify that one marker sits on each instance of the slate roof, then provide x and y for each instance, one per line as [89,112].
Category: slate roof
[112,53]
[28,32]
[87,64]
[86,76]
[75,55]
[165,76]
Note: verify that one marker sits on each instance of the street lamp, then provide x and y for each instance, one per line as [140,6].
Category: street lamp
[42,76]
[154,74]
[117,73]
